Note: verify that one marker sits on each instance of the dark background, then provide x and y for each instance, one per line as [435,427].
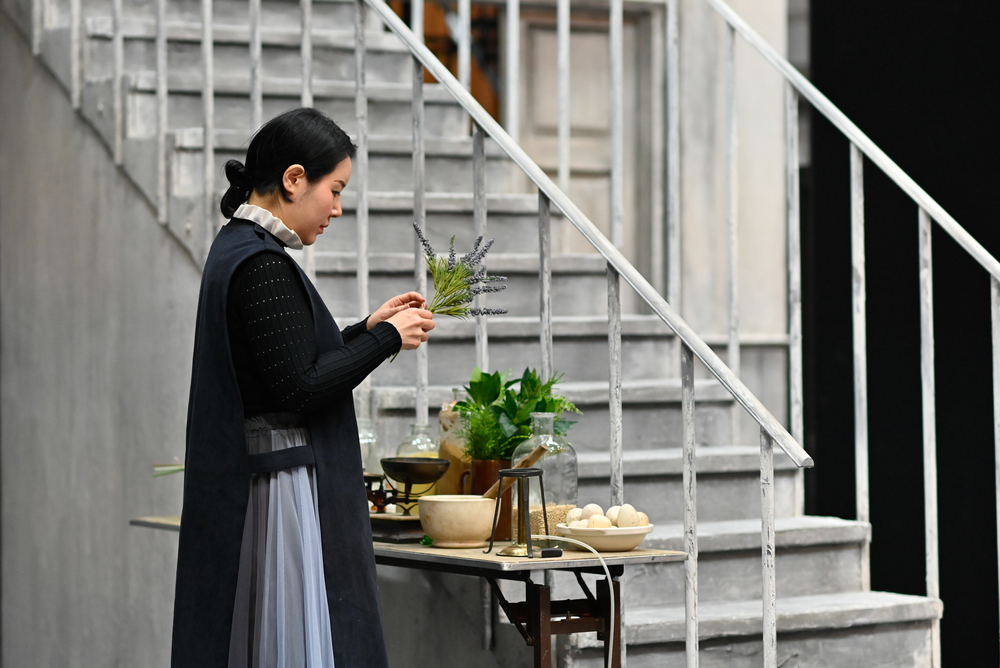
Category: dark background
[919,78]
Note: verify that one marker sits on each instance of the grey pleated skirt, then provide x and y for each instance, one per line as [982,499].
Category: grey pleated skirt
[281,618]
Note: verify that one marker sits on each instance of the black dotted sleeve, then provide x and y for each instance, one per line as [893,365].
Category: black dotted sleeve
[270,302]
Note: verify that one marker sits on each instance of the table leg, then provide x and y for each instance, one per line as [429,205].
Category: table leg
[612,659]
[540,623]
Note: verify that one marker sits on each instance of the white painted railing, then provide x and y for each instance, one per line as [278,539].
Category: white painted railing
[928,210]
[617,268]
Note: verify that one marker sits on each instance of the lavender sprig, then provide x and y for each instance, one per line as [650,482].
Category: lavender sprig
[458,280]
[429,251]
[452,260]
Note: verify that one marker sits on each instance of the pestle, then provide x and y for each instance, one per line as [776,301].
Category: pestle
[526,462]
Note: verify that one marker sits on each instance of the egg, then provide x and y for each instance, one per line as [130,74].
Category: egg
[598,522]
[612,514]
[643,519]
[580,524]
[591,509]
[628,516]
[574,515]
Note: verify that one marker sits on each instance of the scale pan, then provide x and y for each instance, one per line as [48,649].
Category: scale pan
[415,470]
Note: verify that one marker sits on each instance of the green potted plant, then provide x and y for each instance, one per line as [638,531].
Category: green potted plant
[496,418]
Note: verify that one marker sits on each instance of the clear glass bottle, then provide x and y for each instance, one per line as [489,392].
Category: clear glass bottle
[366,436]
[419,443]
[560,475]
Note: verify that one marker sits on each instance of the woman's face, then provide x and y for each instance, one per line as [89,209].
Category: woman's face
[314,204]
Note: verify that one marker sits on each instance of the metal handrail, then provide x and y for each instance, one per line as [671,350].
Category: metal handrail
[860,139]
[612,255]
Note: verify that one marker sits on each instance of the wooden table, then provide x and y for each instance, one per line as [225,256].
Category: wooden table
[538,617]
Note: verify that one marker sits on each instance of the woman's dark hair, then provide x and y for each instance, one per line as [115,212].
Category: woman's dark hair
[301,136]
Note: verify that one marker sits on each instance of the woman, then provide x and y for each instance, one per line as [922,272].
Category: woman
[275,564]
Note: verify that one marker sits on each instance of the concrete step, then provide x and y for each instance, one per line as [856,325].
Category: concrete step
[815,555]
[389,104]
[448,161]
[580,344]
[651,412]
[579,282]
[387,59]
[836,630]
[728,482]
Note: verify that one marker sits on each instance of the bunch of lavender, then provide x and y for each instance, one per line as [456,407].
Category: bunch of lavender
[458,280]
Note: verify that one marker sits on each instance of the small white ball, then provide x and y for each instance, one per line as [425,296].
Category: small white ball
[612,514]
[627,516]
[580,524]
[574,515]
[598,522]
[591,509]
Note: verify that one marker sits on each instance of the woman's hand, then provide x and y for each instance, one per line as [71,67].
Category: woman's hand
[413,325]
[396,305]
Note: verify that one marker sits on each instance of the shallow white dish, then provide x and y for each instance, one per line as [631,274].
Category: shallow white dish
[611,539]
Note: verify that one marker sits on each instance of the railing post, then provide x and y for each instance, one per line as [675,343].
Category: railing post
[162,123]
[545,283]
[860,344]
[479,217]
[361,182]
[929,414]
[615,395]
[689,480]
[995,317]
[75,52]
[794,250]
[657,157]
[673,292]
[465,43]
[615,411]
[563,42]
[208,109]
[617,39]
[770,613]
[419,214]
[256,74]
[732,195]
[118,72]
[512,94]
[306,99]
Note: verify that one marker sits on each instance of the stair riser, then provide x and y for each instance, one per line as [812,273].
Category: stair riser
[232,112]
[274,13]
[737,576]
[451,361]
[721,496]
[572,294]
[387,230]
[905,645]
[590,435]
[184,59]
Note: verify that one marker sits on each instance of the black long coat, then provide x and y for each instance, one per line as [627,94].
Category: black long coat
[217,484]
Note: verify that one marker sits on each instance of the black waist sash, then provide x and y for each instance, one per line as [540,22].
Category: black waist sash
[277,460]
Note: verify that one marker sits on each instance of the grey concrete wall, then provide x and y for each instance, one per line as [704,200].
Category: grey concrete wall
[97,308]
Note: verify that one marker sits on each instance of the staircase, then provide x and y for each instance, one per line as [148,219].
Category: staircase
[826,614]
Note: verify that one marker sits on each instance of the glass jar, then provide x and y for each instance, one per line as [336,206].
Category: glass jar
[560,476]
[419,443]
[366,437]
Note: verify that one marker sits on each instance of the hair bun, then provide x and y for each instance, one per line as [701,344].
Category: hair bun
[238,175]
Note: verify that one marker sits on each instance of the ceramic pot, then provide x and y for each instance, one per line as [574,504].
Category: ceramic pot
[483,474]
[455,520]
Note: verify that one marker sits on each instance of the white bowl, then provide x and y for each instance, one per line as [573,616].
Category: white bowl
[610,539]
[457,520]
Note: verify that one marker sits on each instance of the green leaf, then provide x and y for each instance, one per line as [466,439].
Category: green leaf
[561,426]
[508,427]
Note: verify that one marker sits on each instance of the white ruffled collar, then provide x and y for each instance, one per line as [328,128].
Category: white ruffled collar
[269,222]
